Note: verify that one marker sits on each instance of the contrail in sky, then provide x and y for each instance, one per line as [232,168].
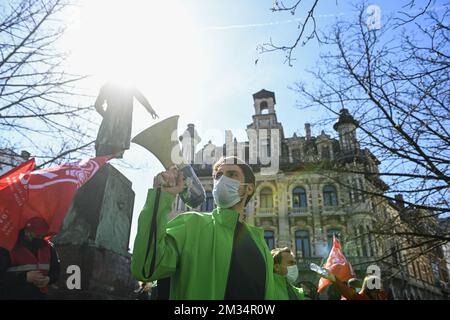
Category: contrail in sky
[264,24]
[272,23]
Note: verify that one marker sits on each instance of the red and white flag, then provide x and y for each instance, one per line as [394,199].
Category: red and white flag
[337,264]
[45,193]
[13,195]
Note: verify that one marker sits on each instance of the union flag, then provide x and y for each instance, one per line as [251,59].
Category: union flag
[45,193]
[338,265]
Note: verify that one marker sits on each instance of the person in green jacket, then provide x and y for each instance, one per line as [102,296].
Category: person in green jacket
[206,255]
[285,274]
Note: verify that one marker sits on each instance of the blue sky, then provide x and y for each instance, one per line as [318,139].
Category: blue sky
[195,59]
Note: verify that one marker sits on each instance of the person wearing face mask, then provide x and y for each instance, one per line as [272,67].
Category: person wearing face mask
[285,275]
[31,266]
[208,256]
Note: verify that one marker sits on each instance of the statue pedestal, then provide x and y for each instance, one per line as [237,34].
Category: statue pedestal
[94,237]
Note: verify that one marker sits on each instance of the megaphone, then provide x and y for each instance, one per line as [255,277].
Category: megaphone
[161,140]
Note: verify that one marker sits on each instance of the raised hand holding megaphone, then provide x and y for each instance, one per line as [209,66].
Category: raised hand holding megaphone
[161,139]
[171,181]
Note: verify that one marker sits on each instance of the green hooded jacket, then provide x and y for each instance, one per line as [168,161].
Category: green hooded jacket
[194,249]
[281,289]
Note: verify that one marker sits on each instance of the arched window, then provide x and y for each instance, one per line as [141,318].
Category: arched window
[296,154]
[330,196]
[264,107]
[436,270]
[355,235]
[372,243]
[299,198]
[269,236]
[363,237]
[326,153]
[414,270]
[330,232]
[302,244]
[394,254]
[266,198]
[362,193]
[208,204]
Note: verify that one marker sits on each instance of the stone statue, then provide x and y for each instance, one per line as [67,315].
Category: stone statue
[114,134]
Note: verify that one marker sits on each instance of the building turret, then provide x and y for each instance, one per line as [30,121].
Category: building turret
[346,127]
[189,140]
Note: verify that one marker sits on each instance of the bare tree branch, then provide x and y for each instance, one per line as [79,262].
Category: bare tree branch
[39,111]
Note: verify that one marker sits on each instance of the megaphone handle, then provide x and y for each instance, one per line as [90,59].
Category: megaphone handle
[152,236]
[161,181]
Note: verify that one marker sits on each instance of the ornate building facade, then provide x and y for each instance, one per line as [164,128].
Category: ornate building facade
[307,201]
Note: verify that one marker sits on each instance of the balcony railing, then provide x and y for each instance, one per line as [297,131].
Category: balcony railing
[266,212]
[332,210]
[301,211]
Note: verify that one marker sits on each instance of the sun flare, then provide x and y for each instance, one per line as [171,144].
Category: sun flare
[150,44]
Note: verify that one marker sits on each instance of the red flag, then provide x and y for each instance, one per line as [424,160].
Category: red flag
[13,195]
[337,264]
[49,194]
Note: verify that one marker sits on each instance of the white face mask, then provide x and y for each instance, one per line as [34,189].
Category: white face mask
[292,273]
[226,192]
